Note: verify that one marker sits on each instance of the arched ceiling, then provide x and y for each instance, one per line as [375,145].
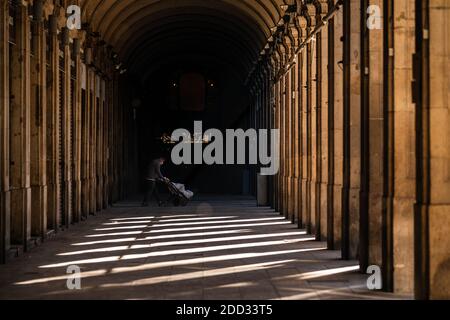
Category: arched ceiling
[145,31]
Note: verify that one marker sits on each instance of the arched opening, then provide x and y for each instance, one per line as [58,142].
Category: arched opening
[185,62]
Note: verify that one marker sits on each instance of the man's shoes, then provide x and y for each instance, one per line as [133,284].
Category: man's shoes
[160,204]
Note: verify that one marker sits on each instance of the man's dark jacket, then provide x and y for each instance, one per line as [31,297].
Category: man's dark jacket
[154,170]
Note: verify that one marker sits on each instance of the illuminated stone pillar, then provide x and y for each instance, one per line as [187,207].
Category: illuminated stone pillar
[288,42]
[295,145]
[295,126]
[301,27]
[404,148]
[282,123]
[276,125]
[354,124]
[291,191]
[273,123]
[304,134]
[323,102]
[432,236]
[288,143]
[308,134]
[287,146]
[338,129]
[330,120]
[373,117]
[313,123]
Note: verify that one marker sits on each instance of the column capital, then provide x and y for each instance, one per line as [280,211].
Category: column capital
[302,27]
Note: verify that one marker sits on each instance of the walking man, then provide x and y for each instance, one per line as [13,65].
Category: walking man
[153,175]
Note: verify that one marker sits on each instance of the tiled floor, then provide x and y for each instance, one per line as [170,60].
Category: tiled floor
[212,249]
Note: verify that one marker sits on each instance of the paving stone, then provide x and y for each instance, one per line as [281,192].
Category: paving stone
[258,268]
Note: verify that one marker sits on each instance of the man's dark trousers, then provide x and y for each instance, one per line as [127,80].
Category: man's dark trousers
[151,190]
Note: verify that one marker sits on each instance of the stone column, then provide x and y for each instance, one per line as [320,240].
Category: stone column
[87,133]
[106,147]
[354,124]
[388,146]
[308,137]
[120,144]
[288,144]
[106,138]
[331,66]
[38,126]
[77,134]
[289,148]
[268,107]
[273,124]
[115,132]
[276,120]
[373,144]
[314,125]
[293,147]
[66,133]
[111,93]
[91,112]
[5,213]
[323,101]
[338,128]
[103,179]
[111,169]
[84,75]
[296,130]
[404,160]
[281,119]
[301,27]
[53,139]
[20,131]
[99,142]
[432,237]
[304,136]
[93,141]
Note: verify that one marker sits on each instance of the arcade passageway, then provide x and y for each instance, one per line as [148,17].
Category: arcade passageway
[357,88]
[222,248]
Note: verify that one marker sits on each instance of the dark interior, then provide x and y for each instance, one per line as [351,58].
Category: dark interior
[187,64]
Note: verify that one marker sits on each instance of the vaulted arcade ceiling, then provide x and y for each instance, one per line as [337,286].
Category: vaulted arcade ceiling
[145,32]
